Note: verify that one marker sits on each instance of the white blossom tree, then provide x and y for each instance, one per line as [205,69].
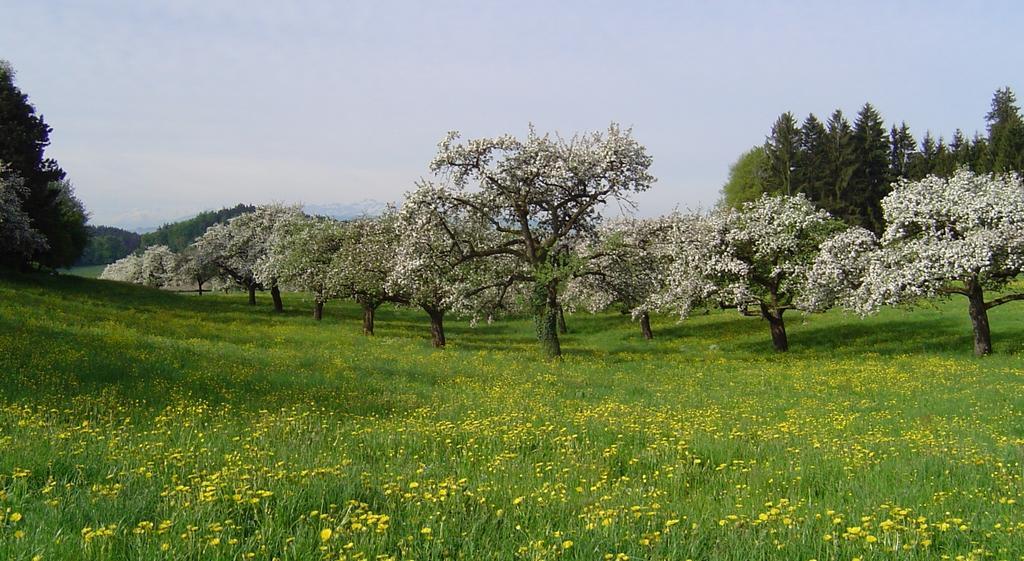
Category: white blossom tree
[157,266]
[17,236]
[757,258]
[195,268]
[302,254]
[963,235]
[126,269]
[434,268]
[362,267]
[538,194]
[626,263]
[236,247]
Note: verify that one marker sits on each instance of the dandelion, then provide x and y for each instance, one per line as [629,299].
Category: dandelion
[325,534]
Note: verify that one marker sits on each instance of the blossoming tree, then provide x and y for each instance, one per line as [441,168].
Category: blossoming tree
[301,257]
[958,236]
[125,269]
[757,258]
[237,247]
[626,263]
[361,268]
[434,268]
[157,266]
[17,236]
[537,194]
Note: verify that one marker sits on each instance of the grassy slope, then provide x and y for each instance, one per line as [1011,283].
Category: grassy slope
[122,409]
[87,271]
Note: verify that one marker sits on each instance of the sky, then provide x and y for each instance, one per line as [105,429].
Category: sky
[163,109]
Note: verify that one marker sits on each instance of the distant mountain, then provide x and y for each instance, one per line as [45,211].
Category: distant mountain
[179,235]
[107,244]
[347,211]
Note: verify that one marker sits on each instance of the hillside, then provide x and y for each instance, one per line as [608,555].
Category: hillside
[107,244]
[155,425]
[178,235]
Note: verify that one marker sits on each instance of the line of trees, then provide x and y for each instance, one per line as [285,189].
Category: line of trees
[847,169]
[515,226]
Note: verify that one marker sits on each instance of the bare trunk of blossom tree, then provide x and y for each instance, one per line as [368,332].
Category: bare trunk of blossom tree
[318,311]
[562,328]
[545,317]
[369,312]
[275,293]
[645,326]
[436,327]
[252,294]
[979,319]
[777,327]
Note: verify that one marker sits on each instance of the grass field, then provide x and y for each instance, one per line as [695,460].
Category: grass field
[87,271]
[136,424]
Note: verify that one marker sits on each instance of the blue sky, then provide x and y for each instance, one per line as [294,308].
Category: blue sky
[162,109]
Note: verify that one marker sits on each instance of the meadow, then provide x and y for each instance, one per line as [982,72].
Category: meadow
[139,424]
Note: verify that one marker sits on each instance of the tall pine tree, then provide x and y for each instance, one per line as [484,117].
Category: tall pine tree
[870,181]
[1005,132]
[901,151]
[810,176]
[781,148]
[842,163]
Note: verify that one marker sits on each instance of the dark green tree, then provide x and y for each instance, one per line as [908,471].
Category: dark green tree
[980,158]
[49,201]
[870,181]
[960,149]
[842,163]
[781,147]
[811,174]
[925,160]
[901,151]
[1005,132]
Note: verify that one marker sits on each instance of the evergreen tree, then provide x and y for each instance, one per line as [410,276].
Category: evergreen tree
[781,148]
[49,201]
[841,164]
[945,160]
[811,174]
[980,158]
[960,149]
[1005,132]
[901,151]
[870,181]
[924,161]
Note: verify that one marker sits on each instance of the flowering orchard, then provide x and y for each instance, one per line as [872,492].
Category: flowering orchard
[515,227]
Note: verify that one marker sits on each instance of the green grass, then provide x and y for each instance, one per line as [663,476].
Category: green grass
[137,424]
[87,271]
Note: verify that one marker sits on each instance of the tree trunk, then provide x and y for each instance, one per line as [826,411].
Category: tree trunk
[979,319]
[645,326]
[252,294]
[562,329]
[778,328]
[368,313]
[318,311]
[200,283]
[275,293]
[545,312]
[436,328]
